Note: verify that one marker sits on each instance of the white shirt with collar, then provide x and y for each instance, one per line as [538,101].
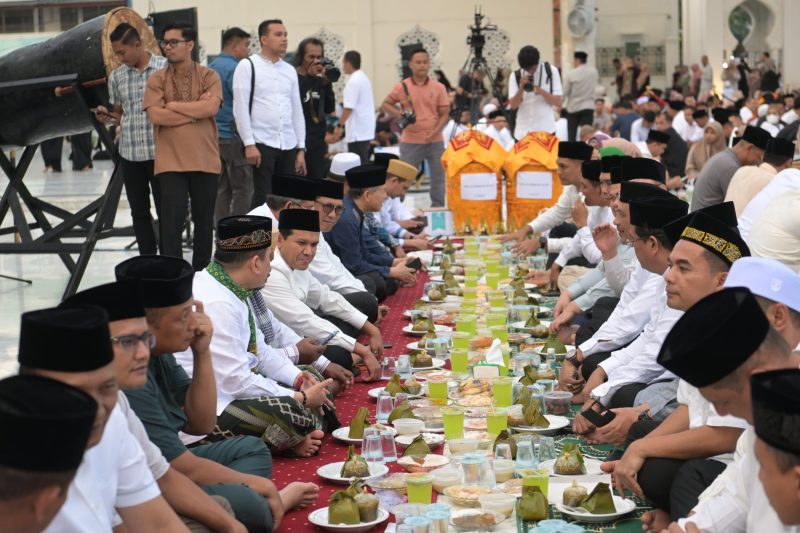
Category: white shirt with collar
[583,243]
[328,269]
[503,137]
[784,181]
[293,295]
[631,314]
[557,214]
[239,374]
[534,113]
[639,133]
[264,211]
[113,474]
[636,363]
[360,126]
[389,218]
[277,117]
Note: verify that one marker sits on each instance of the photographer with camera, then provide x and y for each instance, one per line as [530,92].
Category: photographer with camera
[316,75]
[423,107]
[536,93]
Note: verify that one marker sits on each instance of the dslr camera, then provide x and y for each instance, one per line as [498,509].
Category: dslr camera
[409,117]
[331,70]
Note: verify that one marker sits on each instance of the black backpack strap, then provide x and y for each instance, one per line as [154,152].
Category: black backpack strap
[549,72]
[252,84]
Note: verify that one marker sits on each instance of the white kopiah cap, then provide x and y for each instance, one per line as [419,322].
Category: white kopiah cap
[343,162]
[767,278]
[488,108]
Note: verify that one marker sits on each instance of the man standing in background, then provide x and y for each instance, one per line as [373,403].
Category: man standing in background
[359,108]
[235,188]
[579,87]
[424,108]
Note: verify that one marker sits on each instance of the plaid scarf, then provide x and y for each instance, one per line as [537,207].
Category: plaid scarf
[219,274]
[262,316]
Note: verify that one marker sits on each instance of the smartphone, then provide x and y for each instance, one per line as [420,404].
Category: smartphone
[599,419]
[415,263]
[329,338]
[433,240]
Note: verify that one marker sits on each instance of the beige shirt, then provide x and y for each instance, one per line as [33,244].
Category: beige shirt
[579,87]
[746,183]
[190,147]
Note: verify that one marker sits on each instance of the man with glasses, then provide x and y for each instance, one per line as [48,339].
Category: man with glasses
[181,102]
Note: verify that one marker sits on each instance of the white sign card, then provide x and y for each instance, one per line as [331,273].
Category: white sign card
[479,186]
[535,185]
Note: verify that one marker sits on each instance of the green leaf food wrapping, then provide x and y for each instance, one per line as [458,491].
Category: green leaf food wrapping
[534,417]
[600,500]
[355,465]
[533,505]
[343,509]
[367,506]
[358,423]
[574,495]
[532,320]
[555,344]
[570,461]
[530,377]
[418,446]
[450,280]
[402,410]
[393,387]
[505,438]
[421,358]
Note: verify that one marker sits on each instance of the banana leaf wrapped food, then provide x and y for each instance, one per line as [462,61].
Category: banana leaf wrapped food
[448,247]
[343,509]
[402,410]
[517,283]
[600,500]
[450,280]
[412,385]
[358,423]
[355,465]
[394,386]
[418,446]
[557,346]
[516,416]
[570,461]
[534,417]
[446,263]
[533,505]
[539,332]
[436,293]
[423,324]
[574,495]
[505,438]
[420,358]
[532,320]
[367,506]
[419,304]
[520,296]
[530,376]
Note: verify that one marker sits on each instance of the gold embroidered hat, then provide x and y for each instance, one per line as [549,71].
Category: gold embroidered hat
[716,236]
[776,408]
[240,233]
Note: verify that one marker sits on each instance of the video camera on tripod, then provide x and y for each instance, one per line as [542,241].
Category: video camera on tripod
[476,39]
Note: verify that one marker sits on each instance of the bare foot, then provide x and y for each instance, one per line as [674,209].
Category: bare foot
[297,495]
[310,444]
[655,521]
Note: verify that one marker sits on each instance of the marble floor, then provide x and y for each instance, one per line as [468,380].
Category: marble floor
[70,190]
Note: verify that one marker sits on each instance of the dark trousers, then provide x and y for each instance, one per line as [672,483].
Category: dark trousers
[578,119]
[590,363]
[625,395]
[340,356]
[673,485]
[81,150]
[176,189]
[272,160]
[316,166]
[248,455]
[379,286]
[235,186]
[139,181]
[361,149]
[595,317]
[51,153]
[364,302]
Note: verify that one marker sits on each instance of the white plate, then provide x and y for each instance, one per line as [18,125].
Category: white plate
[623,505]
[456,245]
[521,324]
[320,518]
[450,298]
[435,363]
[431,439]
[331,472]
[343,432]
[374,393]
[408,330]
[556,423]
[434,313]
[570,350]
[592,467]
[458,277]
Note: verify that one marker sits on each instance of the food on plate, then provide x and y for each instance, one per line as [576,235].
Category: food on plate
[367,506]
[420,358]
[533,416]
[418,447]
[557,346]
[570,461]
[467,493]
[530,375]
[532,320]
[512,486]
[394,386]
[395,482]
[505,438]
[516,416]
[475,521]
[574,495]
[402,410]
[539,332]
[422,463]
[454,291]
[358,423]
[419,304]
[600,500]
[422,324]
[437,292]
[480,342]
[412,385]
[446,264]
[558,402]
[448,247]
[517,283]
[429,335]
[533,505]
[450,280]
[343,509]
[475,400]
[470,387]
[355,465]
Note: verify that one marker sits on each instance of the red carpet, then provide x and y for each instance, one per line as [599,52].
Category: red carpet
[286,470]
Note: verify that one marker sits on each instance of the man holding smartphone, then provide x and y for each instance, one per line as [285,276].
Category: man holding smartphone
[536,93]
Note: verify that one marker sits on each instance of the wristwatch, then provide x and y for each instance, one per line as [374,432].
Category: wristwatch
[543,242]
[574,360]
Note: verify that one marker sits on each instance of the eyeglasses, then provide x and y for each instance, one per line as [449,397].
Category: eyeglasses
[171,43]
[327,208]
[130,343]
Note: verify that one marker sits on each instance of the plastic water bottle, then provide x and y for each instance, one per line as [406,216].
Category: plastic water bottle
[551,358]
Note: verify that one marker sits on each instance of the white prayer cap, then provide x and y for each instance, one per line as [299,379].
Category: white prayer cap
[488,108]
[767,278]
[343,162]
[762,110]
[642,100]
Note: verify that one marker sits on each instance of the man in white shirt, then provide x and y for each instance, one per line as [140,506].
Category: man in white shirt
[298,299]
[393,216]
[358,116]
[131,340]
[535,92]
[655,145]
[51,422]
[454,126]
[570,157]
[706,78]
[776,232]
[498,130]
[783,182]
[749,180]
[716,347]
[268,112]
[579,89]
[113,474]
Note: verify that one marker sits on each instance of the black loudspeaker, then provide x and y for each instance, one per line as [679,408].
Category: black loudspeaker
[405,55]
[162,19]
